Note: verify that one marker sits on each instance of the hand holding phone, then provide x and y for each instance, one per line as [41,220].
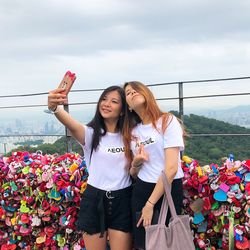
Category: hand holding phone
[67,82]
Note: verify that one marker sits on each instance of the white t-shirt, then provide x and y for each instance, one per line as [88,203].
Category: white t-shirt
[107,168]
[154,143]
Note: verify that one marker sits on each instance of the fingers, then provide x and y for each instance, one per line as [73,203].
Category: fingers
[139,221]
[144,153]
[56,97]
[146,216]
[57,91]
[139,149]
[146,222]
[142,150]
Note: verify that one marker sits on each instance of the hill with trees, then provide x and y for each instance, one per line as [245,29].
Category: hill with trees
[206,149]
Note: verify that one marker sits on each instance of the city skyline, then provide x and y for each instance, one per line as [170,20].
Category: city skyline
[16,132]
[34,125]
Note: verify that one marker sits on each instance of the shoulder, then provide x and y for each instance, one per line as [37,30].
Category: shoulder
[136,127]
[165,119]
[169,121]
[88,129]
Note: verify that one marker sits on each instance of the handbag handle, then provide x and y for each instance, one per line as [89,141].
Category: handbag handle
[167,200]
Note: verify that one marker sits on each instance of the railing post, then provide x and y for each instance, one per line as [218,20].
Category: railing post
[4,146]
[67,132]
[181,107]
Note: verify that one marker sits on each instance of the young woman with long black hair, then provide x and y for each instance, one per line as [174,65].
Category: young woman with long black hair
[106,203]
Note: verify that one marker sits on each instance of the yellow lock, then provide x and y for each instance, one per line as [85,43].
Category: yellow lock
[199,170]
[207,169]
[186,159]
[5,185]
[83,187]
[217,228]
[13,221]
[242,187]
[73,168]
[202,236]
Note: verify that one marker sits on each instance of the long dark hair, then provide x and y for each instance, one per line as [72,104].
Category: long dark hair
[97,123]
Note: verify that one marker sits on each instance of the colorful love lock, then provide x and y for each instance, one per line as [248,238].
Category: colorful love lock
[41,238]
[36,221]
[224,187]
[229,197]
[61,241]
[30,200]
[8,247]
[24,209]
[247,177]
[219,211]
[197,205]
[73,168]
[198,218]
[234,188]
[202,227]
[220,195]
[54,194]
[242,244]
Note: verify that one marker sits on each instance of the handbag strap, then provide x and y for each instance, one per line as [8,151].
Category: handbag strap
[167,200]
[163,211]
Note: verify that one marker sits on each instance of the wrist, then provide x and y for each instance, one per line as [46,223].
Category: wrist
[136,165]
[52,110]
[152,204]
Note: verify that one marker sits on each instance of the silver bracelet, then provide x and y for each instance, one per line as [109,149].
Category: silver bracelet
[51,111]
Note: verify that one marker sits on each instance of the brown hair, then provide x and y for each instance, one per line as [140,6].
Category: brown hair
[132,119]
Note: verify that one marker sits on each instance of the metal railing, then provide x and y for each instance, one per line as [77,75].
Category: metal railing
[181,98]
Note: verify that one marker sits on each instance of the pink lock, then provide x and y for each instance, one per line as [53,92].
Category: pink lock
[224,187]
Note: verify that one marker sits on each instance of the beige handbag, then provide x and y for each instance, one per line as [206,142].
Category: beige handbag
[177,235]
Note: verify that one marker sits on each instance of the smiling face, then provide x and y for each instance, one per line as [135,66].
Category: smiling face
[110,106]
[134,99]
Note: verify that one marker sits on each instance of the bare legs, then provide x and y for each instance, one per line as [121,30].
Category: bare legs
[118,240]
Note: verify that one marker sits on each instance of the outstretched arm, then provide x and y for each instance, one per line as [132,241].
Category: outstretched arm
[55,98]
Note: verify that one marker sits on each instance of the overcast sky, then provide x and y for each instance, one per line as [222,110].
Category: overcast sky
[108,42]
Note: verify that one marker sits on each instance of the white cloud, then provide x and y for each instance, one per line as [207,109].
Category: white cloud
[109,42]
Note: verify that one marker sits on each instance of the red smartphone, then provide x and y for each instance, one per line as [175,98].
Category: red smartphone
[67,81]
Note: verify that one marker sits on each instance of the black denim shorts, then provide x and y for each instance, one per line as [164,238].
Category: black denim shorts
[100,210]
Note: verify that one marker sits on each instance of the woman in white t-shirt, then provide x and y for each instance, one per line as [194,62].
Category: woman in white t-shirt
[156,140]
[105,208]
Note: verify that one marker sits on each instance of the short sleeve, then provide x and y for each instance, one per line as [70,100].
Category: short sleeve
[88,137]
[173,135]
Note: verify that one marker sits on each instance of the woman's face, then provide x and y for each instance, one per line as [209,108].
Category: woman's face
[133,98]
[110,106]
